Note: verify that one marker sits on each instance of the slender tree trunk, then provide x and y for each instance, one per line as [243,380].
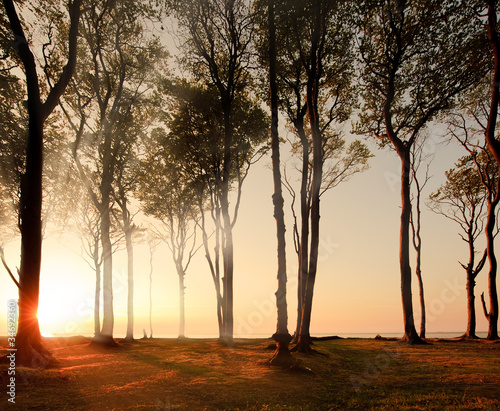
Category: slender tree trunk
[410,334]
[227,245]
[314,76]
[97,295]
[214,270]
[471,309]
[106,335]
[282,356]
[150,292]
[304,228]
[182,316]
[492,286]
[494,146]
[418,272]
[130,270]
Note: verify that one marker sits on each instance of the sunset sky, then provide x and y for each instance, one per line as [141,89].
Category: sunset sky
[358,282]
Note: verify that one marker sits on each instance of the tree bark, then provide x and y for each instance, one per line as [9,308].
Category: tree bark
[303,257]
[282,356]
[314,76]
[130,273]
[97,294]
[28,340]
[492,286]
[182,316]
[227,243]
[410,334]
[494,147]
[471,309]
[106,335]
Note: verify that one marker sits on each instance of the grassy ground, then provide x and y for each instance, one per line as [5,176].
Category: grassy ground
[165,374]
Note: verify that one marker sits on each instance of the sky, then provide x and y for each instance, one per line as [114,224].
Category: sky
[358,282]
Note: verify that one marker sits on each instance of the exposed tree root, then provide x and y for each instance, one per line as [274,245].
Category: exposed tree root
[283,358]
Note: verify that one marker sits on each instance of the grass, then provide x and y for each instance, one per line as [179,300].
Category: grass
[164,374]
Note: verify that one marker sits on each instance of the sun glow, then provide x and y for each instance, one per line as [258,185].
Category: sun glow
[65,304]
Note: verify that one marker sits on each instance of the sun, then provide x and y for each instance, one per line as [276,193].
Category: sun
[65,302]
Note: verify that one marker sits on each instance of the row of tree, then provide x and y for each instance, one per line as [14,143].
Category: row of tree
[124,127]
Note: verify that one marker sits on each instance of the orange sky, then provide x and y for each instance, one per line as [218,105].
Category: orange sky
[357,288]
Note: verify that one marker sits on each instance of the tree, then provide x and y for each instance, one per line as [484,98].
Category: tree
[107,110]
[494,147]
[462,199]
[170,199]
[314,73]
[416,158]
[39,107]
[282,337]
[218,37]
[195,145]
[416,58]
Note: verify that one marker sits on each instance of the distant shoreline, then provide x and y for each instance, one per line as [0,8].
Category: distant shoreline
[368,335]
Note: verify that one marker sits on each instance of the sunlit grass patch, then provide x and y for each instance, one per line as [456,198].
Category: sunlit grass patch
[205,374]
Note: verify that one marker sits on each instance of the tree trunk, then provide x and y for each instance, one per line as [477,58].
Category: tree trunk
[494,146]
[303,257]
[492,286]
[410,334]
[418,272]
[282,356]
[471,309]
[227,243]
[97,295]
[313,84]
[214,270]
[106,335]
[150,292]
[28,340]
[182,317]
[130,270]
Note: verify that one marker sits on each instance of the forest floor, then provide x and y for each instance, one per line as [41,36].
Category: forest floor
[167,374]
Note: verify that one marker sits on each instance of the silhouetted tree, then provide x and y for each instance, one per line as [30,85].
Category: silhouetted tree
[462,199]
[417,157]
[217,50]
[195,145]
[39,106]
[494,147]
[168,197]
[416,58]
[282,356]
[314,72]
[107,109]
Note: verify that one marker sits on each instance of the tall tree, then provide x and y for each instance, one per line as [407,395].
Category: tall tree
[462,199]
[218,36]
[314,69]
[282,337]
[416,58]
[39,107]
[196,146]
[417,157]
[494,147]
[168,197]
[107,105]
